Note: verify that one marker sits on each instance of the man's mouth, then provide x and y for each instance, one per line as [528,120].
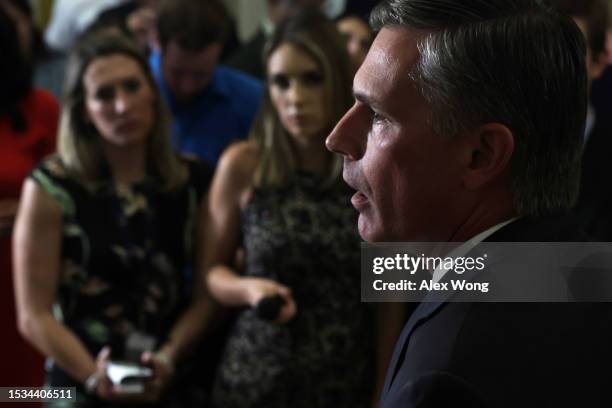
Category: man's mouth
[359,200]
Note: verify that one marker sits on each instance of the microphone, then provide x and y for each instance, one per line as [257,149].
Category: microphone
[269,307]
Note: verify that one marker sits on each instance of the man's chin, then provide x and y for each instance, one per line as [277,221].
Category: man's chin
[372,231]
[368,231]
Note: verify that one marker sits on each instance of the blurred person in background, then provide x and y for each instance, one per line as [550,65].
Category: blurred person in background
[281,196]
[41,10]
[47,66]
[358,35]
[106,229]
[136,17]
[212,106]
[71,18]
[28,124]
[249,58]
[361,8]
[595,199]
[601,90]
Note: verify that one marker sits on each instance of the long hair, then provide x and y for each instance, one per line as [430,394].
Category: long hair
[79,143]
[314,34]
[15,73]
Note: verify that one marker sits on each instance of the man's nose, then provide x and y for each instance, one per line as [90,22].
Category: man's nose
[349,137]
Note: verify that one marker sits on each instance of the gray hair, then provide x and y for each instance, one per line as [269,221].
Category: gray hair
[514,62]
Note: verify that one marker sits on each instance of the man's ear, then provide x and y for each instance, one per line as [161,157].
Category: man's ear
[492,146]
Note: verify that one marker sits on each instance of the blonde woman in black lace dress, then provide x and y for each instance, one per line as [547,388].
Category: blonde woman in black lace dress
[280,195]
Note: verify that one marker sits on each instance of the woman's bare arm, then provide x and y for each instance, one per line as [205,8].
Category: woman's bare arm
[230,188]
[36,256]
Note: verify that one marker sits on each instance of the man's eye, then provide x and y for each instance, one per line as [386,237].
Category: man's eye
[377,117]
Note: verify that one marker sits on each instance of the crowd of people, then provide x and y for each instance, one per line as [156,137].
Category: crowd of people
[180,202]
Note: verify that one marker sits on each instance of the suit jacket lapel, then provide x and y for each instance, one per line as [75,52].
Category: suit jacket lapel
[421,313]
[430,305]
[553,228]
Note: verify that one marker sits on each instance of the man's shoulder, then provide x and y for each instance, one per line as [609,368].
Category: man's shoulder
[562,227]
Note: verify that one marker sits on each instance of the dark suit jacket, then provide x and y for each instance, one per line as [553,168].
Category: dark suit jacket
[594,207]
[601,97]
[504,354]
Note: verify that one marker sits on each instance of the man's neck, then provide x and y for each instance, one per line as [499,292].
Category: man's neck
[484,217]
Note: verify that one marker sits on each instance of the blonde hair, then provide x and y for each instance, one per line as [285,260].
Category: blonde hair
[79,144]
[314,34]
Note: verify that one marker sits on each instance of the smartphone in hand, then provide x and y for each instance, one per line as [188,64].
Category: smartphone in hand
[128,377]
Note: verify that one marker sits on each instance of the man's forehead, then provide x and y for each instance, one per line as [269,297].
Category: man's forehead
[389,61]
[400,41]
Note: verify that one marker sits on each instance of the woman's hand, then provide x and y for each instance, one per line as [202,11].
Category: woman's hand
[105,388]
[154,386]
[259,288]
[163,371]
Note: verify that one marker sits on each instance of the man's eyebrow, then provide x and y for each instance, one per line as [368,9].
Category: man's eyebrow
[364,98]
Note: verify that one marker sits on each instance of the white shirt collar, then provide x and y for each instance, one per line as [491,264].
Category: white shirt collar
[468,245]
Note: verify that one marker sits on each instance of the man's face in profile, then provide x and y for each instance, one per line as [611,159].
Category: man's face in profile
[187,72]
[406,176]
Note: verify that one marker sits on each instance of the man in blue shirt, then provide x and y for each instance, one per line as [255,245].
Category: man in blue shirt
[212,106]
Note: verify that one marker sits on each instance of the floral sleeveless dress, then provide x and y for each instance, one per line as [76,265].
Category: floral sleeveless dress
[125,257]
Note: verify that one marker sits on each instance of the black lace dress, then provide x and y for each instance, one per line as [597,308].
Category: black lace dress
[305,238]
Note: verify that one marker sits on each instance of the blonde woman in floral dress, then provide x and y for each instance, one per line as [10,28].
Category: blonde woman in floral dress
[106,229]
